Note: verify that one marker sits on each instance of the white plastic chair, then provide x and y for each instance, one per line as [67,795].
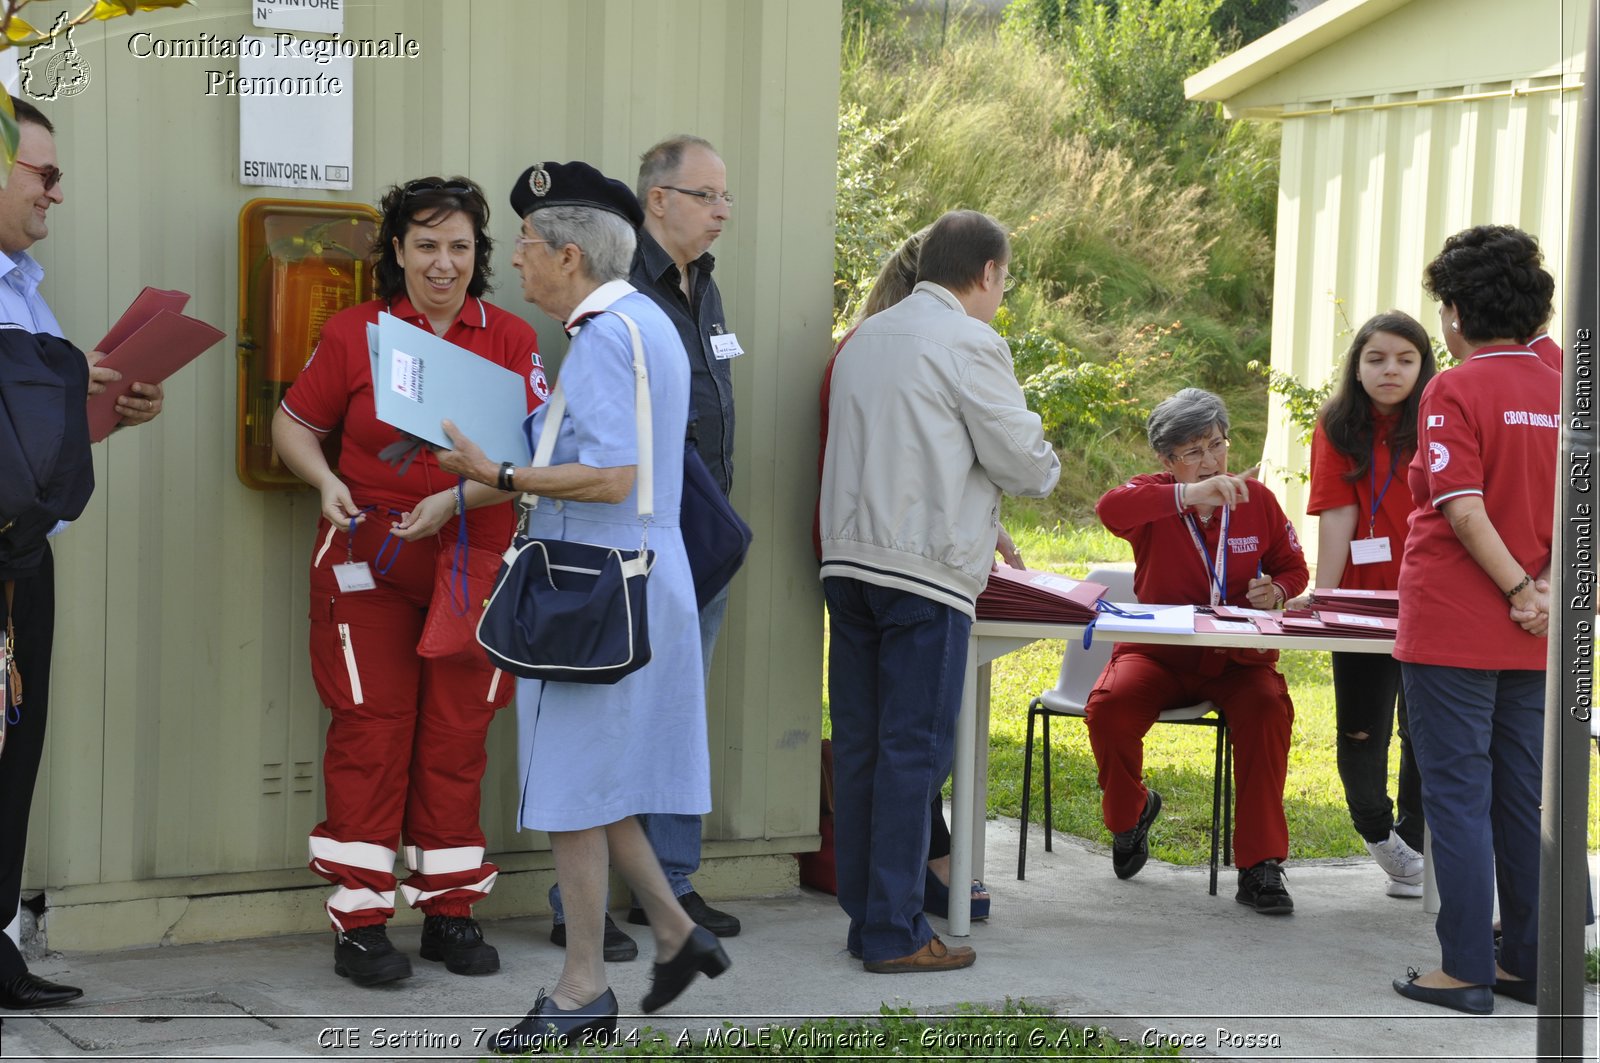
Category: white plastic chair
[1080,668]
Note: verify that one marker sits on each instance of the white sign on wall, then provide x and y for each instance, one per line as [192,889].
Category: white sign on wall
[296,115]
[313,16]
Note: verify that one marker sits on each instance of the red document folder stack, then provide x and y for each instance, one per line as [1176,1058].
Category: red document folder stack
[1372,603]
[1022,594]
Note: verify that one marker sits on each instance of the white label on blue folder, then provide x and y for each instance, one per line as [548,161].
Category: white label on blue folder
[405,376]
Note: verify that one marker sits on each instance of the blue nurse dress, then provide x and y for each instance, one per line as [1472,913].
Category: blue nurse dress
[591,755]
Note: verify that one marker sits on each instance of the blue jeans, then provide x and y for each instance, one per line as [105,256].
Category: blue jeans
[1479,737]
[676,838]
[896,662]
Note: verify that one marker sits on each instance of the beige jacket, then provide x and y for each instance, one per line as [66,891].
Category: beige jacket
[927,427]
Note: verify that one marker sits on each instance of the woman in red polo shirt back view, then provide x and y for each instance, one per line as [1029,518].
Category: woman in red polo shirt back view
[1365,437]
[1475,610]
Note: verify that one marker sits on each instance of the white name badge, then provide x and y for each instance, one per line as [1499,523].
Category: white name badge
[1370,551]
[354,576]
[726,346]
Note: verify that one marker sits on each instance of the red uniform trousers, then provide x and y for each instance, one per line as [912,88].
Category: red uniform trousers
[405,753]
[1136,687]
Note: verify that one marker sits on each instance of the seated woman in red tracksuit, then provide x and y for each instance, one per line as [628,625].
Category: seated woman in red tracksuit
[1200,536]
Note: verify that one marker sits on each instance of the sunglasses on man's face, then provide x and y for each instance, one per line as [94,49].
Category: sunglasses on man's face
[50,175]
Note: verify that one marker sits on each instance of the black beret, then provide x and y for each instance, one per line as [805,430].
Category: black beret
[573,184]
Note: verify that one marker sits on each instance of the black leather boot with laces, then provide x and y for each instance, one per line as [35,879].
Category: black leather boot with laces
[458,941]
[365,956]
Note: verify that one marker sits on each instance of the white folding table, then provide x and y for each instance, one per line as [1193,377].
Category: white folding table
[992,639]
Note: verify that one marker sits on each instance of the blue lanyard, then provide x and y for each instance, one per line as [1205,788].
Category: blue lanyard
[1218,572]
[1377,495]
[378,562]
[1103,606]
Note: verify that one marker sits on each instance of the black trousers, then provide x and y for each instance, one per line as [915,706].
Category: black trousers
[34,618]
[1367,699]
[939,836]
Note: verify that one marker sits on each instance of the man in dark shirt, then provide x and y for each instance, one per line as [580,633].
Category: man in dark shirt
[683,187]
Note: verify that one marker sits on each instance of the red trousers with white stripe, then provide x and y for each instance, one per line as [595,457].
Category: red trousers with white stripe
[405,753]
[1136,687]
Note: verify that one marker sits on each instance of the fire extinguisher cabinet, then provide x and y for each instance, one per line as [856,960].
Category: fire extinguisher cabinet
[299,264]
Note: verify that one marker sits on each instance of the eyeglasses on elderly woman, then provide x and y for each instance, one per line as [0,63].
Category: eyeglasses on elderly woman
[1217,448]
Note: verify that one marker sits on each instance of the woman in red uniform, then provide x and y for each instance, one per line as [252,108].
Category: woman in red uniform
[405,751]
[1200,536]
[1475,608]
[1364,439]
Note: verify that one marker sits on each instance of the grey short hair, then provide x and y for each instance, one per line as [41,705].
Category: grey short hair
[606,239]
[661,162]
[1187,415]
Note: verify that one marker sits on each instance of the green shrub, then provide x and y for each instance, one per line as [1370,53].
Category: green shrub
[1140,223]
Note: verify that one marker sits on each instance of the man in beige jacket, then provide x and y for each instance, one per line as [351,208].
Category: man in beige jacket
[927,427]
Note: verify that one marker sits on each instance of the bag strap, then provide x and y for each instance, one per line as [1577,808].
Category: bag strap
[644,482]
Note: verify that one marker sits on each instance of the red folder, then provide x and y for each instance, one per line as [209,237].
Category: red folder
[1235,622]
[1372,603]
[1311,625]
[149,343]
[1024,594]
[1360,623]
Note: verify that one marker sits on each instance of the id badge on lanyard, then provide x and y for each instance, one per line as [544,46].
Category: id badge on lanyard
[1374,549]
[1217,573]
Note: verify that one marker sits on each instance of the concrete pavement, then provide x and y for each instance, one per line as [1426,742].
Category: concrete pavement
[1152,959]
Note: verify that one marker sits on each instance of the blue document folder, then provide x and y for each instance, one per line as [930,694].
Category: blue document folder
[419,381]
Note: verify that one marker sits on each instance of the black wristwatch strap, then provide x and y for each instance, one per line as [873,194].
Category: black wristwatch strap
[506,471]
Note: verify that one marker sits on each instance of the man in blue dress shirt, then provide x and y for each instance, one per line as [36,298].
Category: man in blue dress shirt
[33,187]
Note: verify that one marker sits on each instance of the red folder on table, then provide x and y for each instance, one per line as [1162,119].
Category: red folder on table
[149,343]
[1312,624]
[1360,623]
[1373,603]
[1237,622]
[1023,594]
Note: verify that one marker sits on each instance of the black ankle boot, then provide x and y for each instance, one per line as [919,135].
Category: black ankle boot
[548,1028]
[365,956]
[458,941]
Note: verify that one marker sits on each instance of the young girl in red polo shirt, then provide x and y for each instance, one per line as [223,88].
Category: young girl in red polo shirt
[1365,437]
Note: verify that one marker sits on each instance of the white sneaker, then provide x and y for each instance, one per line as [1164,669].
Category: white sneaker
[1404,889]
[1398,860]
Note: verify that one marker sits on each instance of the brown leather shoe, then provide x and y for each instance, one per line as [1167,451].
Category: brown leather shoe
[934,956]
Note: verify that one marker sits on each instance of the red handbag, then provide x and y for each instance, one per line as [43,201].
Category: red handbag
[459,594]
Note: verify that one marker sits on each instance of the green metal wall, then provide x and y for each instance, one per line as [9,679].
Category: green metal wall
[186,734]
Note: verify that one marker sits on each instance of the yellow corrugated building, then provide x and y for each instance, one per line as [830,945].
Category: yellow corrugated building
[1403,121]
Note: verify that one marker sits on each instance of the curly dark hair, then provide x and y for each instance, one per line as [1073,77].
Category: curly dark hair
[428,201]
[1347,415]
[1494,277]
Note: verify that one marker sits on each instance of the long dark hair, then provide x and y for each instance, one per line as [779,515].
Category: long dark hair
[1347,417]
[428,201]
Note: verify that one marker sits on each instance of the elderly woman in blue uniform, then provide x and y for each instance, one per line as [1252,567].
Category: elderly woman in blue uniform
[594,757]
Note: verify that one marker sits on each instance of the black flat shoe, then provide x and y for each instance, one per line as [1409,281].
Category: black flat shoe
[548,1028]
[1525,990]
[701,954]
[27,992]
[1472,999]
